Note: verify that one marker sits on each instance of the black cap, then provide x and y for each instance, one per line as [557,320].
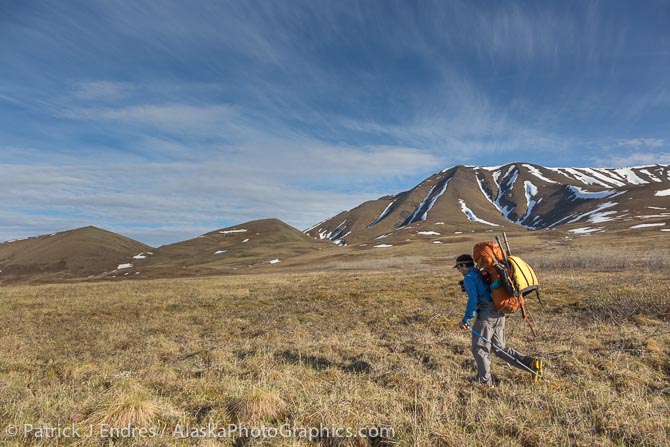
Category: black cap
[464,260]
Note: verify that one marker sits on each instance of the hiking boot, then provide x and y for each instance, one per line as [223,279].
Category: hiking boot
[481,384]
[536,367]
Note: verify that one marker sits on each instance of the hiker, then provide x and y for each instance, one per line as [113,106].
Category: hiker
[489,324]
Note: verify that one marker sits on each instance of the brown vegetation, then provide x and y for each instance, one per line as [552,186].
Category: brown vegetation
[341,348]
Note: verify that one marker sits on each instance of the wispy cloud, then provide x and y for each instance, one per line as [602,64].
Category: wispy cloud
[216,190]
[196,115]
[641,142]
[168,118]
[637,159]
[101,90]
[156,195]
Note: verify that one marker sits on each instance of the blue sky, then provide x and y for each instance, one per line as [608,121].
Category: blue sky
[162,120]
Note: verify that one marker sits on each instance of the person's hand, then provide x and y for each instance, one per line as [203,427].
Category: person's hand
[463,325]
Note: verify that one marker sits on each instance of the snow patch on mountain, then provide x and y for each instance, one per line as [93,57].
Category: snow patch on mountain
[507,184]
[484,193]
[630,176]
[421,212]
[653,216]
[604,216]
[489,168]
[595,214]
[586,179]
[651,176]
[340,239]
[664,193]
[416,212]
[580,193]
[335,234]
[434,199]
[531,192]
[585,230]
[605,178]
[15,240]
[313,227]
[471,216]
[382,215]
[612,174]
[649,225]
[536,172]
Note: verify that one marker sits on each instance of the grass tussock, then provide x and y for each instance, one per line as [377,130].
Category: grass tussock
[127,406]
[258,405]
[373,350]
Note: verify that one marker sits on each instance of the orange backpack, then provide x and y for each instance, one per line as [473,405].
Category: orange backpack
[506,294]
[489,257]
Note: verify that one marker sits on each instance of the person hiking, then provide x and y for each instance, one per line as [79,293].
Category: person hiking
[489,325]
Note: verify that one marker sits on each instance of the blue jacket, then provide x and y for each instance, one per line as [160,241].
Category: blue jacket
[479,294]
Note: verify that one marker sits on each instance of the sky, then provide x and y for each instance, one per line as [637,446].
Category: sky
[162,120]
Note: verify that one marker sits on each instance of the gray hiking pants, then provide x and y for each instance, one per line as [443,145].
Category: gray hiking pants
[491,325]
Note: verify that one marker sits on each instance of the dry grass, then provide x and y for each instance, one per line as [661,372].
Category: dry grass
[337,349]
[126,403]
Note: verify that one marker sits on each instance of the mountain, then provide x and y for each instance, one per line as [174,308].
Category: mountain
[515,195]
[76,253]
[259,243]
[458,200]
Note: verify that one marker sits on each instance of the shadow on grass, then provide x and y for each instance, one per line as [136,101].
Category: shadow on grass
[321,363]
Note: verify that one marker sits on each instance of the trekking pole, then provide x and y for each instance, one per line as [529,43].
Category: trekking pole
[502,248]
[509,252]
[535,374]
[505,266]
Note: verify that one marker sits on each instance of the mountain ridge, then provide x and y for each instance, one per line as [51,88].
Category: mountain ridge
[512,195]
[457,200]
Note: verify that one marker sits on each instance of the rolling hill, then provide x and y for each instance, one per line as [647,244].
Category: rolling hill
[70,254]
[259,243]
